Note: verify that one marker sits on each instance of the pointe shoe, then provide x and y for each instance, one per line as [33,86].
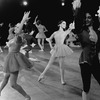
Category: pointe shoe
[41,50]
[28,98]
[63,83]
[84,96]
[1,51]
[40,78]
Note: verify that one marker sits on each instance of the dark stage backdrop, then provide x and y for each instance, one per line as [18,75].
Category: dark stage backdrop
[49,12]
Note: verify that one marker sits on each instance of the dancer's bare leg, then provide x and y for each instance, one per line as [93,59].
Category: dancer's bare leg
[39,43]
[84,96]
[4,82]
[43,44]
[13,82]
[1,49]
[52,58]
[61,60]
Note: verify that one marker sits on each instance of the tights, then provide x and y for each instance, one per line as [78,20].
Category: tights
[86,72]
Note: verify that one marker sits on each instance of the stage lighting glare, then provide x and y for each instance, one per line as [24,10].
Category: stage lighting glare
[25,3]
[62,3]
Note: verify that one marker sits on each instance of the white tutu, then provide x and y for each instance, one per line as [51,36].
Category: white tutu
[61,50]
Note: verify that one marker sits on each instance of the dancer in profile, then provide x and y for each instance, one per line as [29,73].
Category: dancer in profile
[60,50]
[11,31]
[89,61]
[28,46]
[11,34]
[1,24]
[1,48]
[15,60]
[41,33]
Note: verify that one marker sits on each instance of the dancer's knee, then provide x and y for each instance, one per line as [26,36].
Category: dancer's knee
[6,76]
[86,89]
[13,85]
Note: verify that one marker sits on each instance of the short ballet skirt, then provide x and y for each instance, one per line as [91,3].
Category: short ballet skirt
[15,62]
[61,50]
[41,35]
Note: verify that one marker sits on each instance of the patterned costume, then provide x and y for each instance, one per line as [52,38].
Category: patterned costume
[89,48]
[89,61]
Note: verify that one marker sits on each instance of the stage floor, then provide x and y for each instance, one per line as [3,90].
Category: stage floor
[50,88]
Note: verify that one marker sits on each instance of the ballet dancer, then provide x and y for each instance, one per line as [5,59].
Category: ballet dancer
[60,50]
[1,24]
[1,48]
[41,33]
[15,60]
[89,60]
[11,31]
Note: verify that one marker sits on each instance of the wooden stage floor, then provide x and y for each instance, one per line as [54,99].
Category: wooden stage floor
[50,88]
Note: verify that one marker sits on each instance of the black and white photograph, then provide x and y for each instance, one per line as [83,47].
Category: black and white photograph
[49,49]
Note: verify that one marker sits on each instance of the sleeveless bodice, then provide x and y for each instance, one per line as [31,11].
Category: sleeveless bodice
[60,37]
[15,44]
[40,28]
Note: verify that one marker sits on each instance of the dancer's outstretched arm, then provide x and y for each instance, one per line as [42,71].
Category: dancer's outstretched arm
[19,26]
[45,29]
[71,27]
[35,21]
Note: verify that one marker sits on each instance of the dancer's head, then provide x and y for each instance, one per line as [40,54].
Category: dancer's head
[11,25]
[62,24]
[88,15]
[17,26]
[38,22]
[88,19]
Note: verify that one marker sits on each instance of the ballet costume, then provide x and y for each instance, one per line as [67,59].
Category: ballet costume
[15,60]
[41,34]
[60,49]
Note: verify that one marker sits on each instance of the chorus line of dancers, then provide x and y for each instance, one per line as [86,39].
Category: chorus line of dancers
[88,61]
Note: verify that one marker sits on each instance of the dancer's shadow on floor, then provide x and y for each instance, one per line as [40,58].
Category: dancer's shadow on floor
[74,90]
[61,91]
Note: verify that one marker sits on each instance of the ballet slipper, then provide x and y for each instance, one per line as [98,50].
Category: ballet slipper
[63,83]
[41,50]
[27,97]
[40,77]
[84,96]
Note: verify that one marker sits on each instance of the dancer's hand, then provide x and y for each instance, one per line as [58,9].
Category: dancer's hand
[52,50]
[26,16]
[72,25]
[1,24]
[47,39]
[35,20]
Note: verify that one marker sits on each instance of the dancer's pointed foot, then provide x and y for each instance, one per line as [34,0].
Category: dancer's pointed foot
[84,96]
[41,50]
[63,83]
[40,77]
[27,97]
[1,51]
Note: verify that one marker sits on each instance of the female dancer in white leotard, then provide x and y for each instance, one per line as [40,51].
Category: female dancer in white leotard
[60,50]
